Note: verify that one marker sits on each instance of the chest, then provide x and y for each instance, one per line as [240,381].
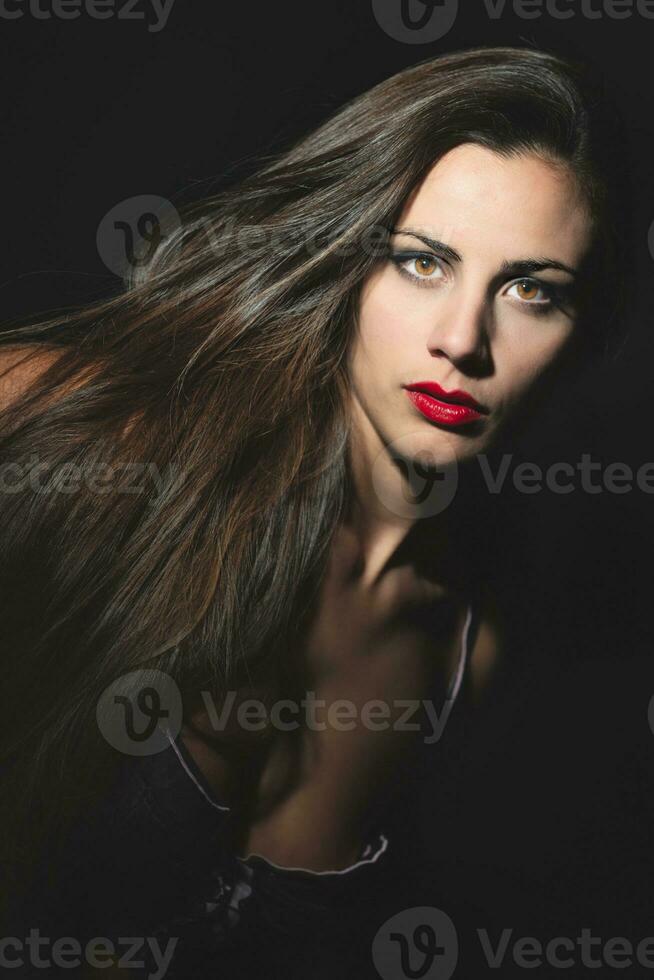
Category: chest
[403,643]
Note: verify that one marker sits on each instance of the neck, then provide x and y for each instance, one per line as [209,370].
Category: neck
[384,504]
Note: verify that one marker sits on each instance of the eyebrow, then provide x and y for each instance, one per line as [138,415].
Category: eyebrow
[519,267]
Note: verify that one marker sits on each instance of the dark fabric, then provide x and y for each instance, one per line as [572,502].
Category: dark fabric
[153,862]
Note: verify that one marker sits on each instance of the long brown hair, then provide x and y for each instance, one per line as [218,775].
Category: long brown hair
[222,364]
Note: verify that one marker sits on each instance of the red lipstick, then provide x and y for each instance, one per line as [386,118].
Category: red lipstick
[449,407]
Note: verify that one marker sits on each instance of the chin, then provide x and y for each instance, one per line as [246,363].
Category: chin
[428,446]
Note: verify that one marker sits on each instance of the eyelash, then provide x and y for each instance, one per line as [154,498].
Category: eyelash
[556,295]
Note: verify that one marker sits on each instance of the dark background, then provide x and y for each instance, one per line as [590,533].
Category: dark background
[536,814]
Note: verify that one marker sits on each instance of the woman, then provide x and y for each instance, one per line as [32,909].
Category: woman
[412,275]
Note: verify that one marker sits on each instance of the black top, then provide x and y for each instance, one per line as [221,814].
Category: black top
[153,862]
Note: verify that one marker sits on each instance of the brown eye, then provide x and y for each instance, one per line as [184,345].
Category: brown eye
[421,268]
[532,293]
[424,265]
[527,291]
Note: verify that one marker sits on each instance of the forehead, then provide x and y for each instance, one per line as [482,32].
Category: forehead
[476,200]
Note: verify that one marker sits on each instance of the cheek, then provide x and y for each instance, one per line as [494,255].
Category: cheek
[383,333]
[523,363]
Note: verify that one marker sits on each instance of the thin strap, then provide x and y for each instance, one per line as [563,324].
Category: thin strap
[186,767]
[455,683]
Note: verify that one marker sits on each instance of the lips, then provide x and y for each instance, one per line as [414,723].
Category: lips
[454,407]
[454,397]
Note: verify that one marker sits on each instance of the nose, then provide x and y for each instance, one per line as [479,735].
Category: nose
[461,330]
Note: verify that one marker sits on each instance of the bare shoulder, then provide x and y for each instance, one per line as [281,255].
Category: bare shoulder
[19,367]
[489,643]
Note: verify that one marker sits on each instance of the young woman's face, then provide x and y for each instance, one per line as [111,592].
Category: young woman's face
[478,296]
